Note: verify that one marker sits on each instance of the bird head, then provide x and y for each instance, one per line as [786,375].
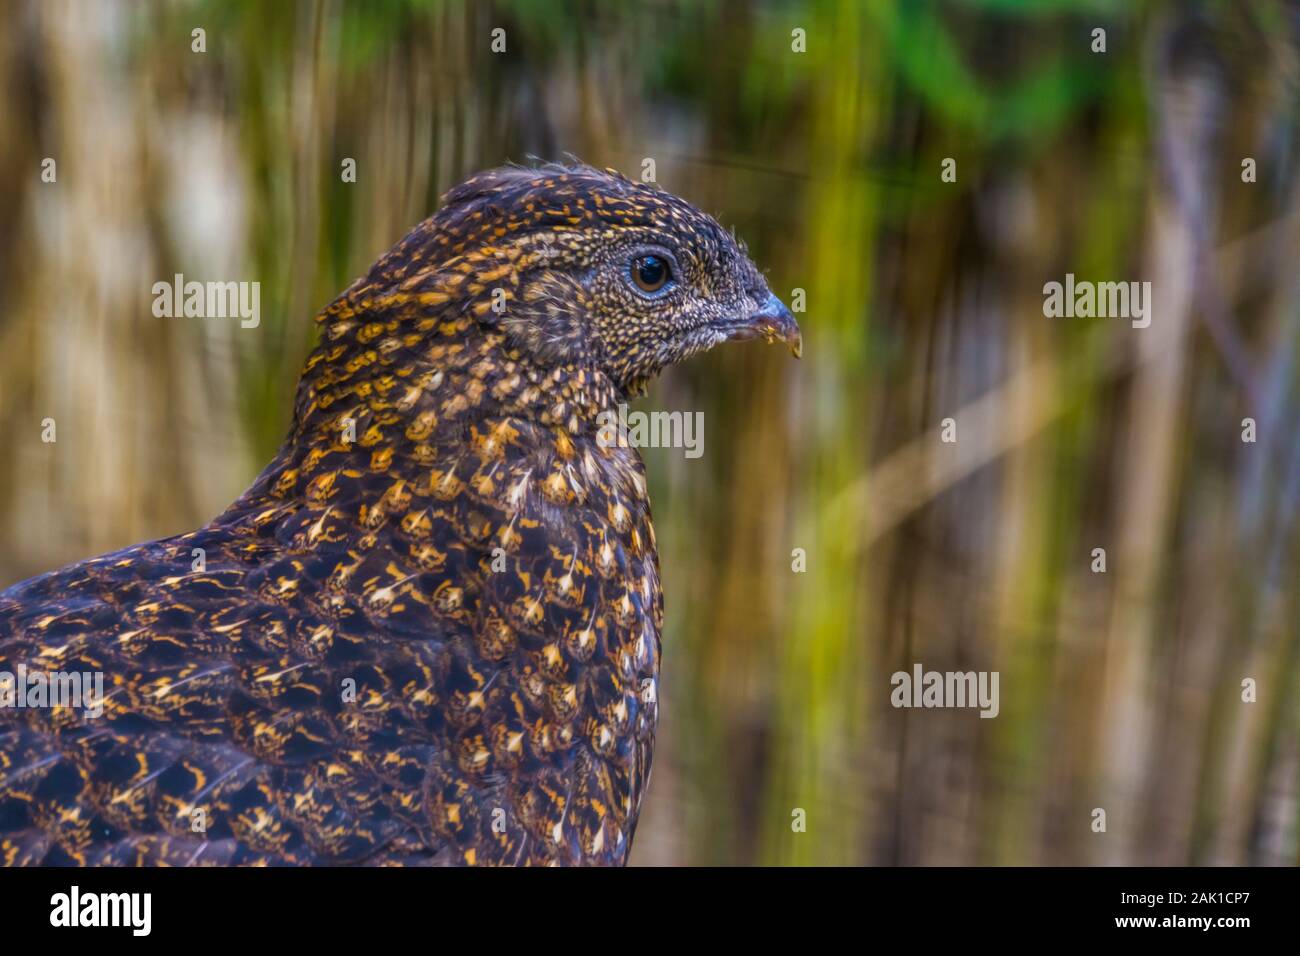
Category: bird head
[580,267]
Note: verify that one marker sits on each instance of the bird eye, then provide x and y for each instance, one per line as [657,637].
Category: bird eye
[650,273]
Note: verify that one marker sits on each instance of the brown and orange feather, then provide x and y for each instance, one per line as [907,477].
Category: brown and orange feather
[430,630]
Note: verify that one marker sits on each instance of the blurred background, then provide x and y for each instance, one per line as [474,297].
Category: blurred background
[924,301]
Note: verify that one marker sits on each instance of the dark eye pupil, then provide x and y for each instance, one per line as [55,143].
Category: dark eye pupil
[651,273]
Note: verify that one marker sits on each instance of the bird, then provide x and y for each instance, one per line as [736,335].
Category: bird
[429,633]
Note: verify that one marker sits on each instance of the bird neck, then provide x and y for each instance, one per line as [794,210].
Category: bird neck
[403,391]
[374,415]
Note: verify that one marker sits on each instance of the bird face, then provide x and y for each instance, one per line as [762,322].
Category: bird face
[661,294]
[592,268]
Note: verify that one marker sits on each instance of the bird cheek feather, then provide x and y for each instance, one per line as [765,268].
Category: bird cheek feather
[548,319]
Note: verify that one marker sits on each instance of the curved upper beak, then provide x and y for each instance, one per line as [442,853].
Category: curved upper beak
[772,322]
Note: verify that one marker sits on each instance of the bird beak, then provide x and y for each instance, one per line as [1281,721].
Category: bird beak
[772,322]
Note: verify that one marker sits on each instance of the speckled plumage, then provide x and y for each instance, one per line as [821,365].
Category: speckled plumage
[430,630]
